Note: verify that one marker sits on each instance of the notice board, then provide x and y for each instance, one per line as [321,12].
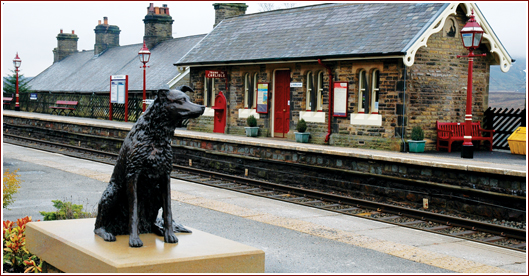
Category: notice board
[340,99]
[262,97]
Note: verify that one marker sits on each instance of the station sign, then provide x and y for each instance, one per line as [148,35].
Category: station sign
[215,74]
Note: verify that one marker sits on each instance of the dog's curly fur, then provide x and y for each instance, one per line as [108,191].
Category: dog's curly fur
[140,183]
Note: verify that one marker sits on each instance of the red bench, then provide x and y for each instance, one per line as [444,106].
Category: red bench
[63,107]
[452,132]
[7,100]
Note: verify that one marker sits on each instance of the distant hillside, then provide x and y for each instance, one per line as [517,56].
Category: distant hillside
[507,100]
[512,81]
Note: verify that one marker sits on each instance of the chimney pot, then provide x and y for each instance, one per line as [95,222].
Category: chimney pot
[105,19]
[73,32]
[61,31]
[98,22]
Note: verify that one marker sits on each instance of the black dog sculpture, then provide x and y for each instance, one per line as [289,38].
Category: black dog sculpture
[140,183]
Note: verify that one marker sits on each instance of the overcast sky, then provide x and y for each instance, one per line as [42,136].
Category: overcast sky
[30,28]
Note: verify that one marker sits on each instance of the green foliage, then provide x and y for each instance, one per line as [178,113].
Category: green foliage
[16,257]
[301,126]
[10,184]
[66,210]
[251,121]
[10,84]
[417,134]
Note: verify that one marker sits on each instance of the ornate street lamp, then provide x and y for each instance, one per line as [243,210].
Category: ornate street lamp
[471,35]
[144,54]
[17,61]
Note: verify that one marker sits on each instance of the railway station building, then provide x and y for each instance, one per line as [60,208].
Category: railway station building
[392,66]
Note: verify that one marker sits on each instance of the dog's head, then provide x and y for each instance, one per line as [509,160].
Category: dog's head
[178,104]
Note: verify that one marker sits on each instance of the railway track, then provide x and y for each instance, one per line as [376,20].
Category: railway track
[462,228]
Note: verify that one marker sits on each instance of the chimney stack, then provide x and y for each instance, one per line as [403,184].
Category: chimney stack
[66,45]
[158,25]
[226,10]
[107,36]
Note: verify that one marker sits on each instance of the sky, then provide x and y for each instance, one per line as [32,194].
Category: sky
[31,28]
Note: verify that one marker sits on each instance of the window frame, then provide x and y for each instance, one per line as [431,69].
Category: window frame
[375,91]
[362,75]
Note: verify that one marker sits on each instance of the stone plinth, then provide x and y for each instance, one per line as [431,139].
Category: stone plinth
[72,247]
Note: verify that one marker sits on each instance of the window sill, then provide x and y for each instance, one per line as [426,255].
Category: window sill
[366,119]
[245,113]
[313,117]
[209,112]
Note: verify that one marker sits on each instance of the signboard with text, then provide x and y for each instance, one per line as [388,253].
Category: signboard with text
[340,99]
[210,74]
[262,97]
[119,94]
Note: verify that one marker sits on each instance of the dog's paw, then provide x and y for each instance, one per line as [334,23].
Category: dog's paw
[135,242]
[105,235]
[170,237]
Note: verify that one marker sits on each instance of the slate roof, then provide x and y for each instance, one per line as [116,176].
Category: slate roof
[320,31]
[83,72]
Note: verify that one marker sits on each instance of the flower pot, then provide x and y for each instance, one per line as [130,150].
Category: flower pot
[302,137]
[416,146]
[251,131]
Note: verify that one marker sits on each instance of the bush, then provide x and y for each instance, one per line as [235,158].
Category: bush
[17,258]
[301,126]
[66,210]
[11,184]
[251,121]
[417,134]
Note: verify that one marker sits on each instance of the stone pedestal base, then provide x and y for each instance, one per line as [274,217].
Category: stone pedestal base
[71,246]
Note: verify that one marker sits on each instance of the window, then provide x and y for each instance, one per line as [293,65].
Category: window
[362,84]
[250,90]
[375,84]
[310,104]
[209,92]
[320,91]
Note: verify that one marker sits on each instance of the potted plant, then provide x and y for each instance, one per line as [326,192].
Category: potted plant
[301,135]
[252,129]
[417,142]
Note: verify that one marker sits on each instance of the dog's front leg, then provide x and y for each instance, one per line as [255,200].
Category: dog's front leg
[132,195]
[169,235]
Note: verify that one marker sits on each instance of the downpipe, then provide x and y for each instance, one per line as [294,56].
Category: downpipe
[331,101]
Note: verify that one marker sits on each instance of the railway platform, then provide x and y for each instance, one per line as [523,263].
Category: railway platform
[500,161]
[295,239]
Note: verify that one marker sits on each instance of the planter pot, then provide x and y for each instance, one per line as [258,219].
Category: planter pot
[302,137]
[416,146]
[251,131]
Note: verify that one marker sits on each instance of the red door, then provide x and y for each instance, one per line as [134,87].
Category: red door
[282,103]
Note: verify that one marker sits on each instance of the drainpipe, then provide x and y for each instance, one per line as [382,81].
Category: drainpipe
[403,109]
[331,107]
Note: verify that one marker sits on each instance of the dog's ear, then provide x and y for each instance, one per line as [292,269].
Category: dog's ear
[162,93]
[185,88]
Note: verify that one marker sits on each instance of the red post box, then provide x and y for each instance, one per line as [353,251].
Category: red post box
[220,113]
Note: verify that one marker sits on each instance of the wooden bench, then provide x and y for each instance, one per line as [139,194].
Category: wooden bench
[65,107]
[452,132]
[7,100]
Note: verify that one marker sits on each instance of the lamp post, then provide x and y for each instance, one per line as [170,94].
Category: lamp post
[17,61]
[471,35]
[144,54]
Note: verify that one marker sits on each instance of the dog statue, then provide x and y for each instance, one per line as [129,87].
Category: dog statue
[140,184]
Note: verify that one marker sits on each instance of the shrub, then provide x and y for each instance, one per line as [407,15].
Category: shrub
[66,210]
[17,258]
[301,126]
[417,133]
[11,184]
[251,121]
